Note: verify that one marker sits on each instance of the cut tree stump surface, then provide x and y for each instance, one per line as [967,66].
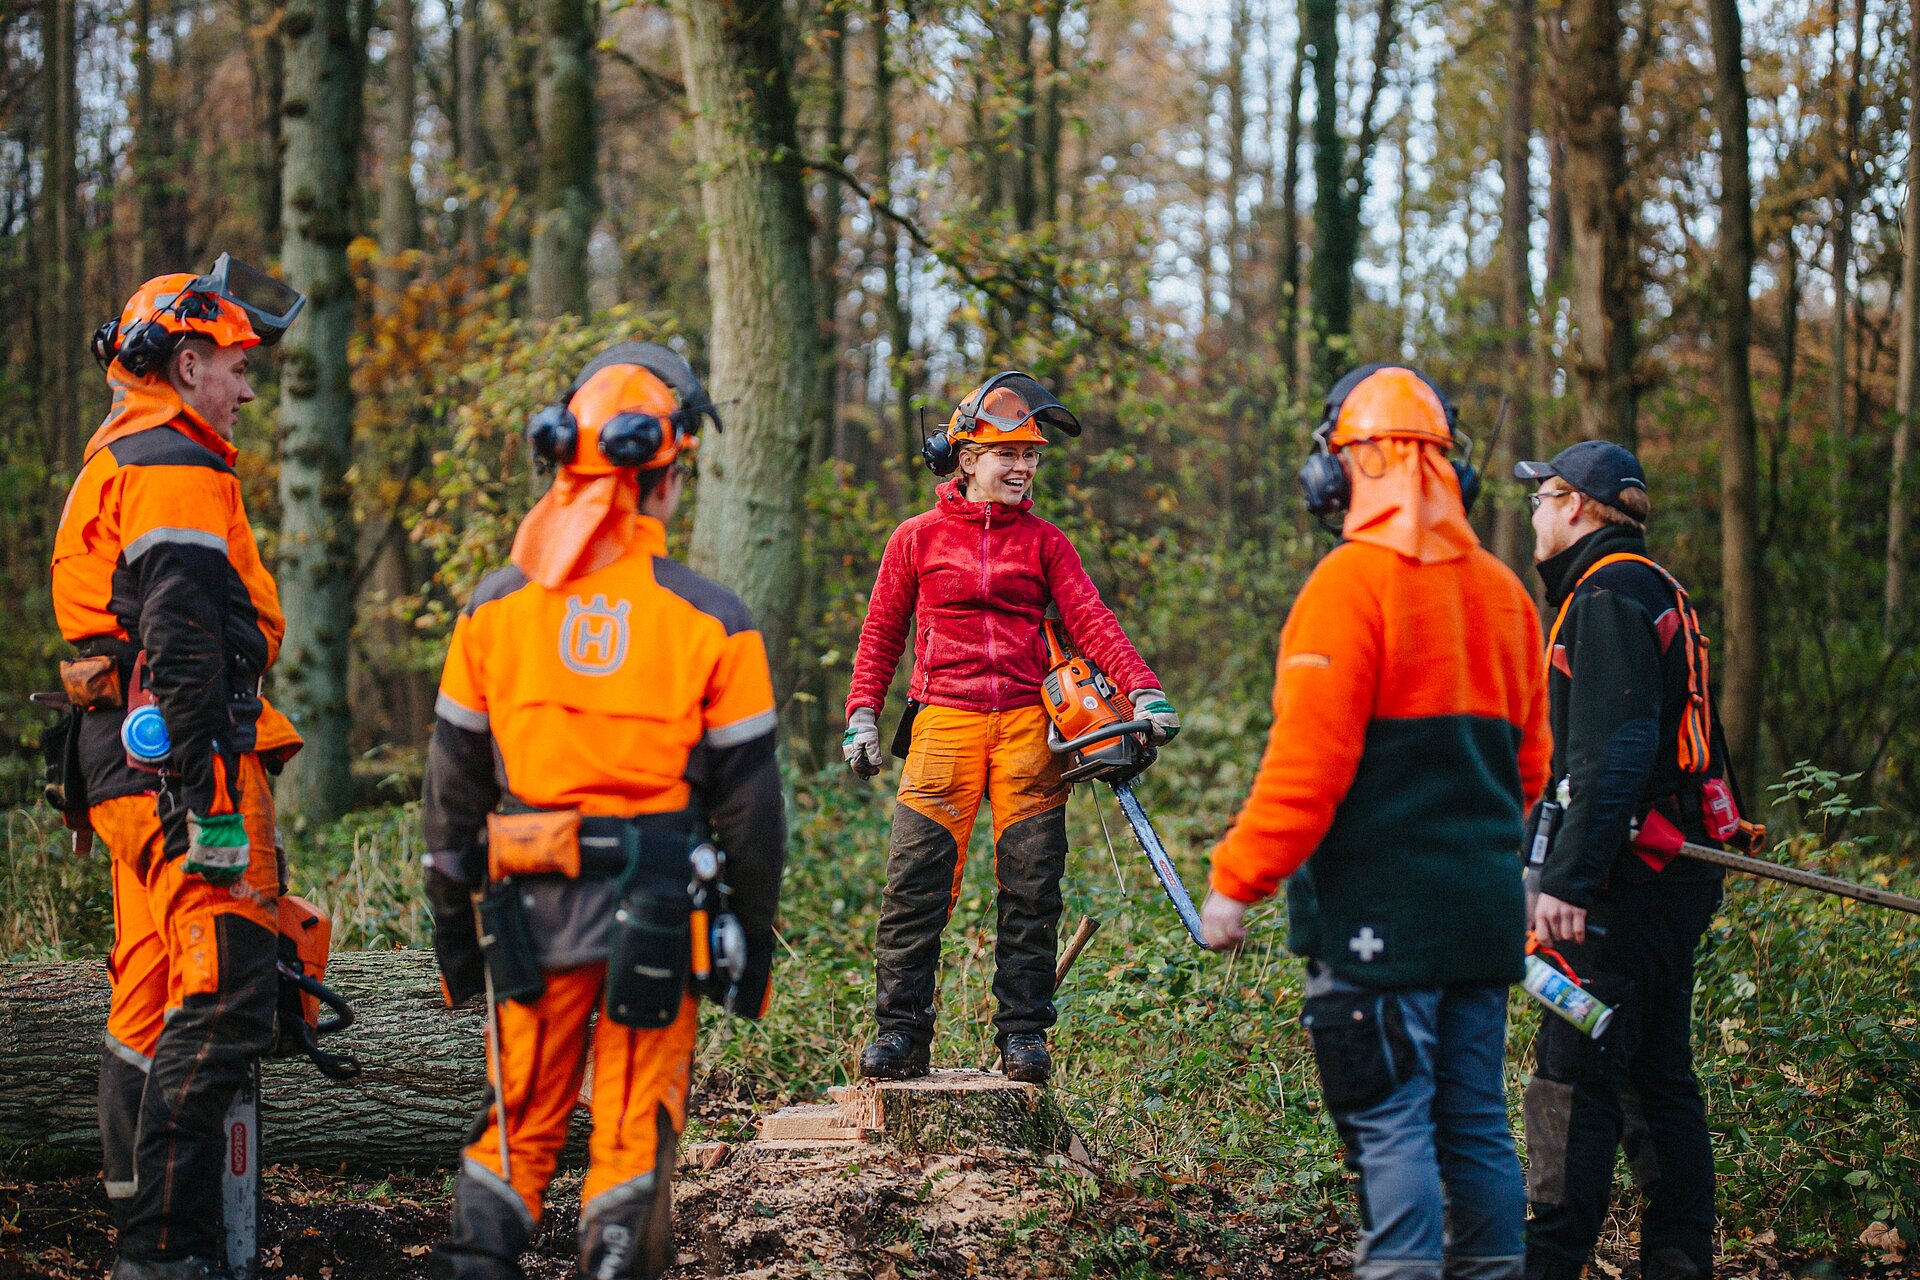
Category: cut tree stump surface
[946,1111]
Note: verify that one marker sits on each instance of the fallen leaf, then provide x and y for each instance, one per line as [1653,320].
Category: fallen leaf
[1879,1235]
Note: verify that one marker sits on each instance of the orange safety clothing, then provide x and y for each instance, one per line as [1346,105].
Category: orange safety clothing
[1409,734]
[641,1079]
[155,552]
[193,995]
[958,758]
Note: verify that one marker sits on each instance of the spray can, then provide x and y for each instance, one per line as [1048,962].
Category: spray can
[1566,997]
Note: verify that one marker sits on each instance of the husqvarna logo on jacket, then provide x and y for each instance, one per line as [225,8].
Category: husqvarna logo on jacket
[593,639]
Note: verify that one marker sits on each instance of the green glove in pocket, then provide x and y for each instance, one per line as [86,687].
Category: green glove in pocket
[217,847]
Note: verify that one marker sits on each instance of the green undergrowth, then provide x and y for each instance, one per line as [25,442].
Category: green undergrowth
[1181,1067]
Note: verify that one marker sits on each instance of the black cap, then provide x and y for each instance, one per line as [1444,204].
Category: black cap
[1598,468]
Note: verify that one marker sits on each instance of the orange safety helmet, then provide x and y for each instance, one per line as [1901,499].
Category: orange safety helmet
[1008,408]
[1377,402]
[636,405]
[232,305]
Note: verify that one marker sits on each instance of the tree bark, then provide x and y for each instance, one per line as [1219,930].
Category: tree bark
[1846,197]
[1907,394]
[1742,664]
[60,248]
[424,1066]
[567,201]
[1286,276]
[316,405]
[399,207]
[160,242]
[1592,96]
[747,530]
[895,253]
[469,54]
[1512,534]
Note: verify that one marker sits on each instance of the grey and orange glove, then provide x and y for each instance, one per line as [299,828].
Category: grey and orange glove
[217,847]
[1151,704]
[860,745]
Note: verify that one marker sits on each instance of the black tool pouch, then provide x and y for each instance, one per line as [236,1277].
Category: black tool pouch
[649,956]
[65,786]
[903,733]
[508,945]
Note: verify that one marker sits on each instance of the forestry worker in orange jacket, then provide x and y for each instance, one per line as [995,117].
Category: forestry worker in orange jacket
[604,713]
[158,583]
[1409,736]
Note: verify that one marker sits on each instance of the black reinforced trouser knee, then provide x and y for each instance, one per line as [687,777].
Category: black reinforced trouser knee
[923,872]
[200,1062]
[1633,1088]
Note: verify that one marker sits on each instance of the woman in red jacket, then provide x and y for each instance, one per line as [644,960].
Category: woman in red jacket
[973,578]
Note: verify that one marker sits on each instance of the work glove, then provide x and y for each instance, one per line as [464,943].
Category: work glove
[217,847]
[456,939]
[1151,704]
[861,742]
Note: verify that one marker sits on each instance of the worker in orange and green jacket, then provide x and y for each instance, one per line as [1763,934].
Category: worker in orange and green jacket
[1409,737]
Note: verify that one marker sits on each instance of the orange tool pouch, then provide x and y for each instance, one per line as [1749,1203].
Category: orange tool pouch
[545,842]
[92,684]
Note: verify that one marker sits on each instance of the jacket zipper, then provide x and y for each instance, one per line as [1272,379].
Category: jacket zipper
[986,614]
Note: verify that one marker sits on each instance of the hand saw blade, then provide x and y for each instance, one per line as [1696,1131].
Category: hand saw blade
[1157,857]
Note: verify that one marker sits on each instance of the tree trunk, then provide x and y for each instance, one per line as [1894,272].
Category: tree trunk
[1332,282]
[895,255]
[1847,198]
[424,1066]
[747,531]
[469,53]
[1907,395]
[1741,662]
[1592,96]
[399,208]
[160,242]
[60,247]
[1239,38]
[567,201]
[1512,534]
[316,405]
[952,1110]
[1286,275]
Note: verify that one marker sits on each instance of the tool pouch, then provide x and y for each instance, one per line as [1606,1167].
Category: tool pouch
[65,786]
[93,684]
[508,945]
[649,954]
[542,843]
[903,732]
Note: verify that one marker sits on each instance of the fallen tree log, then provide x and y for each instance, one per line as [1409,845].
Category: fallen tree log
[423,1081]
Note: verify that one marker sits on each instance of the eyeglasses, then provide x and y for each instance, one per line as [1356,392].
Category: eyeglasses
[1013,458]
[1535,499]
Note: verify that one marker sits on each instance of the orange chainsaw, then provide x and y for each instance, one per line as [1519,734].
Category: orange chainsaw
[1093,726]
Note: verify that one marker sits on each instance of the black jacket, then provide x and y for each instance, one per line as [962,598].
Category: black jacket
[1616,692]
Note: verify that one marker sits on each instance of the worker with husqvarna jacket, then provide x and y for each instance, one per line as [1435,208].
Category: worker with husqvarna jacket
[1409,735]
[971,580]
[158,584]
[604,825]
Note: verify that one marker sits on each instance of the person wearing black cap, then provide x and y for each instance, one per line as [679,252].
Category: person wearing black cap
[1632,737]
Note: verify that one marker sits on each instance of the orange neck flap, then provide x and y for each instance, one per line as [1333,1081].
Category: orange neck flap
[143,403]
[1406,498]
[584,523]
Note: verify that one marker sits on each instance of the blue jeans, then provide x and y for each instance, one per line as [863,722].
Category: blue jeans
[1412,1076]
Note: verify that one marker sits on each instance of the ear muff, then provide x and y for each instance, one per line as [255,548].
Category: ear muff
[1323,481]
[1469,477]
[940,453]
[554,435]
[631,439]
[105,343]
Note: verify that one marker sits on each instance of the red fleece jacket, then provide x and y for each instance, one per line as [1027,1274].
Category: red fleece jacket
[974,580]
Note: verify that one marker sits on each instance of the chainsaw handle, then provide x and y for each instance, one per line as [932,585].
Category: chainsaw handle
[325,995]
[1104,733]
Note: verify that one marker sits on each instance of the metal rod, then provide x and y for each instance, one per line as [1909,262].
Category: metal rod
[1805,879]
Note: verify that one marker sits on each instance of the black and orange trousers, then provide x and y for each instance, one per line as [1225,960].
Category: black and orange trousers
[194,987]
[959,758]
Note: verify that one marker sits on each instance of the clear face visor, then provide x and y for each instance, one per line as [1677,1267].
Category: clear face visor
[1010,401]
[271,305]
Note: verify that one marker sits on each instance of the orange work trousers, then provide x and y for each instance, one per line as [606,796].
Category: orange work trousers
[641,1079]
[194,988]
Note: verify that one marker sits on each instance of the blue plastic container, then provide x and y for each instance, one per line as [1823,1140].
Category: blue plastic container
[144,734]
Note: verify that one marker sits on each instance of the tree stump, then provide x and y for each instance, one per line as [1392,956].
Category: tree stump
[947,1111]
[424,1076]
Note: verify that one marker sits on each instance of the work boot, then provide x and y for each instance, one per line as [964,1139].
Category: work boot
[892,1056]
[172,1269]
[1026,1057]
[489,1231]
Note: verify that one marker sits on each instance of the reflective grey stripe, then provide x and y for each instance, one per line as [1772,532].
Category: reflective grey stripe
[186,537]
[615,1197]
[471,1168]
[129,1056]
[121,1190]
[732,735]
[458,716]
